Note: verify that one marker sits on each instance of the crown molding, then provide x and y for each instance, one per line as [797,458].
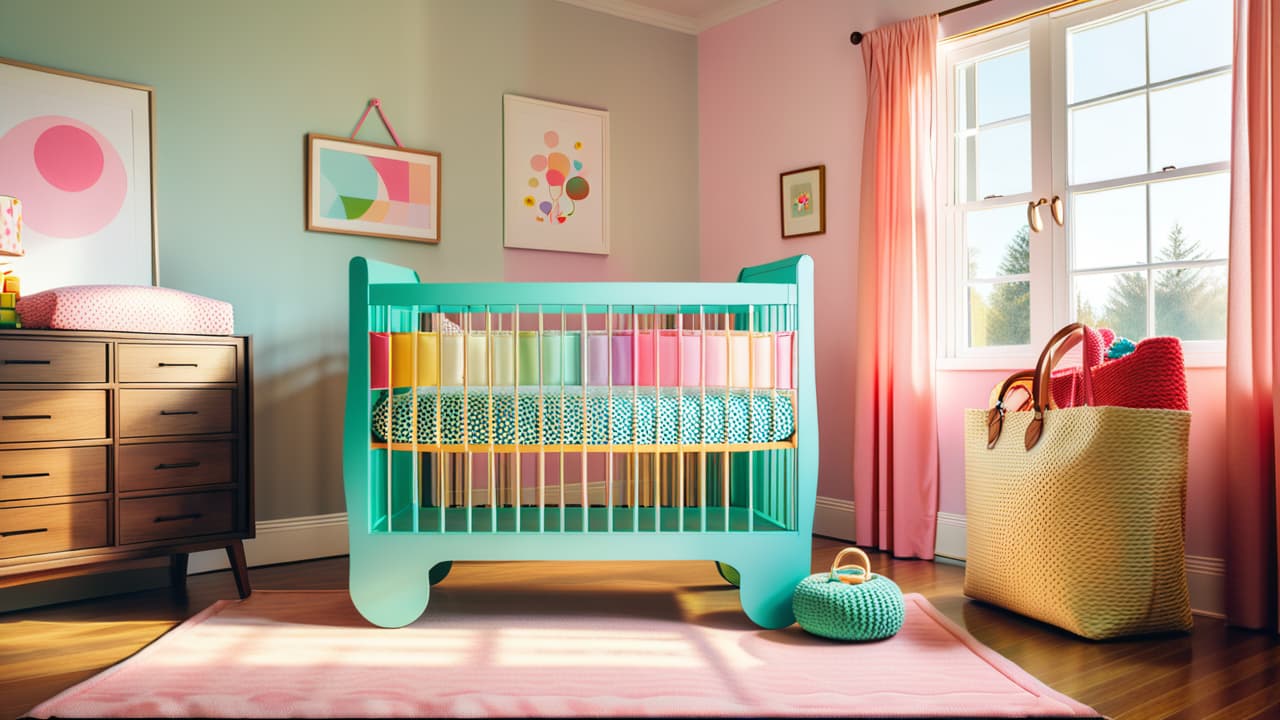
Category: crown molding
[670,21]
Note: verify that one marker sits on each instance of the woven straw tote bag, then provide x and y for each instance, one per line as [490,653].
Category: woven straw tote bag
[1076,514]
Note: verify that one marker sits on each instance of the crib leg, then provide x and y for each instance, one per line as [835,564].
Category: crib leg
[439,572]
[766,586]
[389,591]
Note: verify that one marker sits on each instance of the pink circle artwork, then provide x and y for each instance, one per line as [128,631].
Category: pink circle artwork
[71,179]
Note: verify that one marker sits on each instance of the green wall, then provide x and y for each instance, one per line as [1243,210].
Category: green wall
[238,85]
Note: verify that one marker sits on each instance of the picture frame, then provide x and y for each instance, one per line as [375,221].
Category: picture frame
[803,201]
[362,188]
[555,176]
[77,150]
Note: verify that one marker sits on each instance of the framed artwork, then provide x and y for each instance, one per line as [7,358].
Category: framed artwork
[804,201]
[361,188]
[76,150]
[555,176]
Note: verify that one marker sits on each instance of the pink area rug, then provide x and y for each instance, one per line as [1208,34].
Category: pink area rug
[310,654]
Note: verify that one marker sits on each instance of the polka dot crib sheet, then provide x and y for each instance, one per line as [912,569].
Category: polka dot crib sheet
[645,417]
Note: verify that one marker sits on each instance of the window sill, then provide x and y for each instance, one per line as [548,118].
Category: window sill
[1191,358]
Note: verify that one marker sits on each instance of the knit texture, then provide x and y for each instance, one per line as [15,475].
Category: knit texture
[833,609]
[1085,530]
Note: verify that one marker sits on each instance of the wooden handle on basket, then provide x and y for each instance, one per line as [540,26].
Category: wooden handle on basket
[864,565]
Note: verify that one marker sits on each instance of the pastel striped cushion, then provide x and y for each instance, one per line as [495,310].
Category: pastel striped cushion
[126,308]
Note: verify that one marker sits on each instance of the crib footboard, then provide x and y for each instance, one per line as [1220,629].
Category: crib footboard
[592,421]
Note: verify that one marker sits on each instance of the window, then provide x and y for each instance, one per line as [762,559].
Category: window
[1118,113]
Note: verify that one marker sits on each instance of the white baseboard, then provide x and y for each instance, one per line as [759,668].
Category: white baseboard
[1205,575]
[833,518]
[281,541]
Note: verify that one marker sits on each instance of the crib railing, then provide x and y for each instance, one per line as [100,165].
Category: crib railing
[586,417]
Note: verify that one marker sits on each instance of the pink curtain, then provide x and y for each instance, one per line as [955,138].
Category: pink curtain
[1253,340]
[895,442]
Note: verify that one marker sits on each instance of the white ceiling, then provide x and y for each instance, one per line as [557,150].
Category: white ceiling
[686,16]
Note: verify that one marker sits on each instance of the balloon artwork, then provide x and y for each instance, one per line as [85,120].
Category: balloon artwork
[562,177]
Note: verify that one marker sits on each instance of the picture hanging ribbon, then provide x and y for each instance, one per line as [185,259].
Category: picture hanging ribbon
[376,103]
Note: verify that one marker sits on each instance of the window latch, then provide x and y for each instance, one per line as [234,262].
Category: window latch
[1167,168]
[989,197]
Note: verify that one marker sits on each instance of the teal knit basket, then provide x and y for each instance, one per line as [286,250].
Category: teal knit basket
[849,603]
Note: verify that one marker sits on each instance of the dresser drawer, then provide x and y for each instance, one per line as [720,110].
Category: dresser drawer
[50,361]
[33,415]
[145,413]
[52,528]
[26,474]
[176,516]
[174,465]
[176,363]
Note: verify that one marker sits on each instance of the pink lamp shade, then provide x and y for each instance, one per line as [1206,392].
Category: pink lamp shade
[10,225]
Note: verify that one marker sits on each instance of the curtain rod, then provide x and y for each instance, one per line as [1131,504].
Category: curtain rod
[856,37]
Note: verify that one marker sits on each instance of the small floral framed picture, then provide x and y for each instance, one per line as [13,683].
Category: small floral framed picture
[804,201]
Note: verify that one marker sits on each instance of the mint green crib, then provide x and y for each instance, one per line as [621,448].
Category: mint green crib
[579,421]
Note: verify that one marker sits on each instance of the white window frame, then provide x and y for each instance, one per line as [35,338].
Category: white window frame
[1051,274]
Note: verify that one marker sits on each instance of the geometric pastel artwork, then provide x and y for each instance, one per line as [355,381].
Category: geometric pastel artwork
[76,150]
[360,188]
[555,176]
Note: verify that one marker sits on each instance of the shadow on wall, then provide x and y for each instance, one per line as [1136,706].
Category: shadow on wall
[299,409]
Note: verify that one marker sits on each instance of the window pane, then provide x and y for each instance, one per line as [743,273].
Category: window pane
[1106,59]
[1004,87]
[1109,140]
[1191,303]
[1191,123]
[1113,300]
[1109,228]
[1004,160]
[1189,37]
[1190,218]
[999,314]
[998,242]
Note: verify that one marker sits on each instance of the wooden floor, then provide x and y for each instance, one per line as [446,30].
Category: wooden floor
[1214,672]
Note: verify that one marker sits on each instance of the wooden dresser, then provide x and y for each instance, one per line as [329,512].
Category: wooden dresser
[116,447]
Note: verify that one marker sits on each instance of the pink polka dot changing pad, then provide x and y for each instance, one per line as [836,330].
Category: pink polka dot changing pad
[126,308]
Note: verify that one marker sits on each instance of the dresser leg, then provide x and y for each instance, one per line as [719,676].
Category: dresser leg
[178,573]
[235,554]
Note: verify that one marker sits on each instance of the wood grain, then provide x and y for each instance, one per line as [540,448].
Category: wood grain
[1212,672]
[37,415]
[27,474]
[176,516]
[53,361]
[173,465]
[52,528]
[182,411]
[176,363]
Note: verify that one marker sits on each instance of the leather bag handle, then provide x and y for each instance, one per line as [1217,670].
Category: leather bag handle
[1016,381]
[1041,387]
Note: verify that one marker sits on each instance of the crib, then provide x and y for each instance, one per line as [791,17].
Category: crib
[579,421]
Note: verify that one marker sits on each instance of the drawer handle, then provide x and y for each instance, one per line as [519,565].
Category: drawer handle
[175,466]
[32,531]
[28,362]
[18,476]
[172,518]
[179,412]
[179,364]
[26,417]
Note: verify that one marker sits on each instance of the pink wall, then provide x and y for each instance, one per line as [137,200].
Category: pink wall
[778,89]
[782,88]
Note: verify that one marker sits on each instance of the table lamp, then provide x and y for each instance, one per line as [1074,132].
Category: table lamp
[10,245]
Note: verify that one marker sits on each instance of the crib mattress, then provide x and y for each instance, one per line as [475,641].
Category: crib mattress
[646,418]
